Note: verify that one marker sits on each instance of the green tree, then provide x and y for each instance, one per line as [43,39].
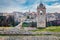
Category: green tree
[27,17]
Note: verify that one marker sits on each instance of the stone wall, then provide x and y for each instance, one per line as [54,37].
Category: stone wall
[29,38]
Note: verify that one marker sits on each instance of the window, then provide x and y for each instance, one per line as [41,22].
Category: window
[40,13]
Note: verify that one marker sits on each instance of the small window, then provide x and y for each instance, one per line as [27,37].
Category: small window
[40,13]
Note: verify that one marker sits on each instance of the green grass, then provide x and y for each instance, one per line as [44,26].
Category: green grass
[48,29]
[25,25]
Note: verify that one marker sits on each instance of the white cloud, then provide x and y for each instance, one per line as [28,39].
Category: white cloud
[15,7]
[11,5]
[49,8]
[11,9]
[55,4]
[50,0]
[53,8]
[21,1]
[38,1]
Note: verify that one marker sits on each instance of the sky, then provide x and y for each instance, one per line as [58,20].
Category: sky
[52,6]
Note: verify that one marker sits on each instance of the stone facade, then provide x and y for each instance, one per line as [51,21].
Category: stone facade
[41,11]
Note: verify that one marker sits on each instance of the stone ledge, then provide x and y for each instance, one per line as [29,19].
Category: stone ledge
[22,31]
[30,38]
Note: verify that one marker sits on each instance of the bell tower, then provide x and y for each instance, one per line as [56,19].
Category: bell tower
[41,18]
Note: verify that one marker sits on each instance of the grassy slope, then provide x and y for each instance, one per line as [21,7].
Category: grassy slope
[48,29]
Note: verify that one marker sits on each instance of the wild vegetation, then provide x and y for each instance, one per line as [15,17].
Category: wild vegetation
[7,21]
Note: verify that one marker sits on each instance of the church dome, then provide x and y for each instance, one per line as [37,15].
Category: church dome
[41,5]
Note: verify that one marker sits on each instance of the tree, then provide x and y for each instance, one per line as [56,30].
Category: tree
[10,20]
[27,17]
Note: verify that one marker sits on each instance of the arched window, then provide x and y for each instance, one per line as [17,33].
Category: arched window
[41,12]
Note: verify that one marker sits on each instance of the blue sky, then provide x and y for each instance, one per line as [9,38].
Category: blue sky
[25,5]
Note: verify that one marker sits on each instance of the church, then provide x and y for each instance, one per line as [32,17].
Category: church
[38,20]
[41,18]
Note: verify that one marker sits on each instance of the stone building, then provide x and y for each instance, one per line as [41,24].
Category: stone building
[41,17]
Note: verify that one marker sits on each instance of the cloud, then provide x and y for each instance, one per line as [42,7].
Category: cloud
[20,1]
[50,0]
[55,4]
[25,5]
[11,5]
[53,8]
